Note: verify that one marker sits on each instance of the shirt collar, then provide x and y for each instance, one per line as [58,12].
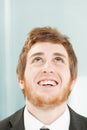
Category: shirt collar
[31,123]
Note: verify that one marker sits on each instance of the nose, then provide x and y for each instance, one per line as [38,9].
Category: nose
[48,68]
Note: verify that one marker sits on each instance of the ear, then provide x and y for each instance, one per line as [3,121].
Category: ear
[73,83]
[21,82]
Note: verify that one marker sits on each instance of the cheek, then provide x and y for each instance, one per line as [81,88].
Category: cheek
[27,90]
[30,76]
[33,73]
[29,72]
[65,74]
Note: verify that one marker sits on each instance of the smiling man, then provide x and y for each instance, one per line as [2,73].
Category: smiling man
[48,65]
[47,72]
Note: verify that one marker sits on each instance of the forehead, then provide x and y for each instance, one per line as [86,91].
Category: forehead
[47,48]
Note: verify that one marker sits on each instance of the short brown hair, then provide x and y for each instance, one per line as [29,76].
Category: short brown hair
[47,34]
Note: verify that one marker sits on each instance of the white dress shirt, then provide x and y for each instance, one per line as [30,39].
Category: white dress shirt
[62,123]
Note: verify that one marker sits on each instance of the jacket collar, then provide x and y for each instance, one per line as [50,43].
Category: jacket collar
[76,121]
[17,121]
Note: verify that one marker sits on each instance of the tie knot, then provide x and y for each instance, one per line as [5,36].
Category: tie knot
[44,128]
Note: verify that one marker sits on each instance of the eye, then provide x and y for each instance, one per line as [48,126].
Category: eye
[37,60]
[59,59]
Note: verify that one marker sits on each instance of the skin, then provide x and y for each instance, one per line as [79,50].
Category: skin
[47,81]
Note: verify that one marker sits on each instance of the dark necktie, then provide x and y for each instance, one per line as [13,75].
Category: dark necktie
[44,128]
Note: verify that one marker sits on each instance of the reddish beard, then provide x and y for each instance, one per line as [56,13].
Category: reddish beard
[51,101]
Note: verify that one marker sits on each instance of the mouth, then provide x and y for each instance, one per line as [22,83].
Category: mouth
[50,83]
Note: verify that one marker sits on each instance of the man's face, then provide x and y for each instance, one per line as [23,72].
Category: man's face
[47,80]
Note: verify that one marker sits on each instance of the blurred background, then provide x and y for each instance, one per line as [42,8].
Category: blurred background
[17,18]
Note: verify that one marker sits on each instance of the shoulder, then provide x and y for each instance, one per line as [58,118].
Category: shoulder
[77,119]
[76,115]
[7,122]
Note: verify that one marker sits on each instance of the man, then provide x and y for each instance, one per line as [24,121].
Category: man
[47,72]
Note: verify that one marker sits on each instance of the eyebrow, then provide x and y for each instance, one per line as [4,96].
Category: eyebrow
[41,54]
[59,54]
[37,54]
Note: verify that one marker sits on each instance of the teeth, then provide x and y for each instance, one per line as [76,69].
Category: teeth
[47,82]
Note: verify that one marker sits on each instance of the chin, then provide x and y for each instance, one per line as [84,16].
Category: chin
[47,102]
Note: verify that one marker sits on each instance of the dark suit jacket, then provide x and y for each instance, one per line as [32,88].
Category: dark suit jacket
[15,121]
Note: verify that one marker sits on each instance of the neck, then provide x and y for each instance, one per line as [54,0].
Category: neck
[44,114]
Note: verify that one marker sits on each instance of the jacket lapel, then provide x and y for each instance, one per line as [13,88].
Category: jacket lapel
[16,122]
[75,122]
